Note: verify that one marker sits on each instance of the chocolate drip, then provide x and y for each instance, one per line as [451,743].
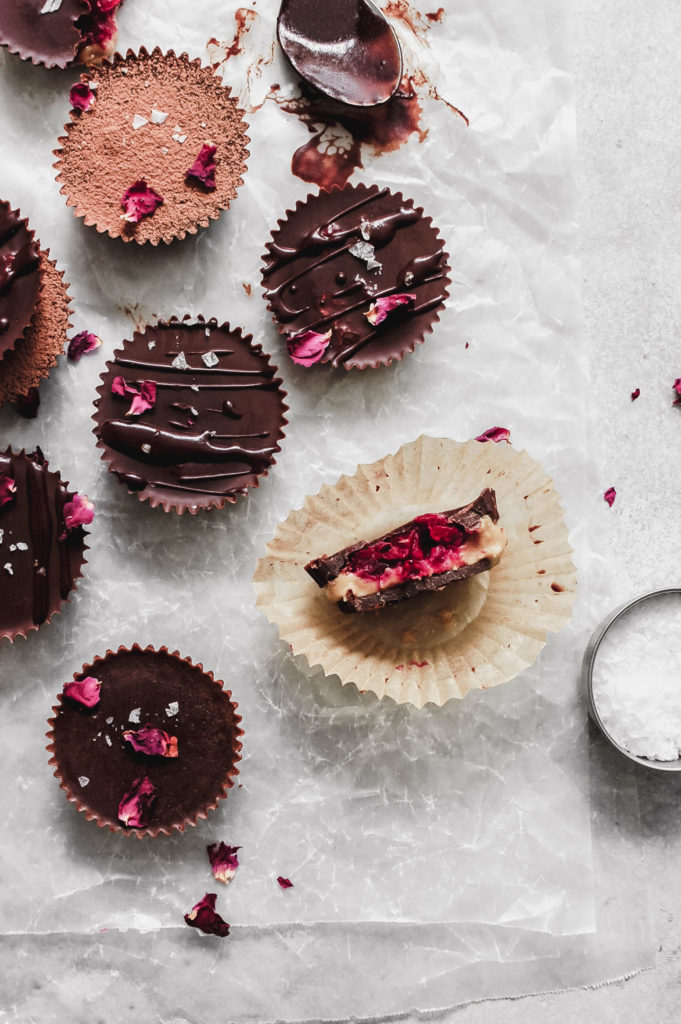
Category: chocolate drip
[161,457]
[313,282]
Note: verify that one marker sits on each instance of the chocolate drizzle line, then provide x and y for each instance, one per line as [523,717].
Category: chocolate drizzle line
[19,277]
[313,282]
[200,461]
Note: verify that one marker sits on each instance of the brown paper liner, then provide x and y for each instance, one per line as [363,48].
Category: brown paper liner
[94,167]
[475,634]
[5,634]
[410,338]
[37,353]
[202,811]
[209,502]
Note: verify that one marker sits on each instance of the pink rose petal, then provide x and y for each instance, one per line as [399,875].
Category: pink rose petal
[81,97]
[135,808]
[610,496]
[144,401]
[85,691]
[635,394]
[224,861]
[203,168]
[307,347]
[382,308]
[204,917]
[285,883]
[8,489]
[677,391]
[151,741]
[77,512]
[81,345]
[139,201]
[495,434]
[121,388]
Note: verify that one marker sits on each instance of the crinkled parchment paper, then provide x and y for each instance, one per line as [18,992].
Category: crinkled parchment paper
[437,856]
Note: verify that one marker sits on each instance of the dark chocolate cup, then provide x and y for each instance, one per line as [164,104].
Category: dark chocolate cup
[19,297]
[10,631]
[403,331]
[125,765]
[95,189]
[124,467]
[21,25]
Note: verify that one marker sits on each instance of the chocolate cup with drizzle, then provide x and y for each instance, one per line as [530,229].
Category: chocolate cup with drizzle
[40,562]
[333,258]
[215,423]
[19,278]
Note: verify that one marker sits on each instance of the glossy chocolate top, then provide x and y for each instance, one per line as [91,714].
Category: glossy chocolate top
[51,38]
[19,277]
[215,426]
[38,569]
[139,688]
[314,282]
[346,48]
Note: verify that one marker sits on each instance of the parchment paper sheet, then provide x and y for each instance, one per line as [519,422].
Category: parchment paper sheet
[393,824]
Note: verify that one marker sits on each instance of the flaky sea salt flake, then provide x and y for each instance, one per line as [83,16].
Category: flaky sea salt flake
[158,116]
[365,252]
[210,359]
[172,709]
[134,715]
[139,122]
[180,362]
[83,781]
[50,7]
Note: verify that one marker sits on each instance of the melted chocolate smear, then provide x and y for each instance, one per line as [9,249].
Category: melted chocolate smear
[205,726]
[347,49]
[34,580]
[19,277]
[313,282]
[189,464]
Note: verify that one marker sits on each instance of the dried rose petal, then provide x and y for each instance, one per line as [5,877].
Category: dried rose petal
[677,391]
[85,691]
[8,489]
[139,201]
[77,512]
[121,388]
[382,308]
[27,405]
[81,345]
[144,401]
[635,394]
[81,97]
[135,807]
[203,168]
[223,861]
[610,496]
[151,741]
[285,883]
[204,917]
[495,434]
[307,347]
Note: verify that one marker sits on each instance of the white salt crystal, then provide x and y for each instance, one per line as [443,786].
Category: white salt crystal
[83,780]
[8,568]
[158,116]
[152,344]
[180,362]
[139,122]
[134,715]
[21,546]
[210,359]
[107,739]
[146,448]
[50,7]
[364,251]
[172,709]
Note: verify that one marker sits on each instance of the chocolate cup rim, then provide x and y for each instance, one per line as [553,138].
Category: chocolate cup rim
[14,49]
[31,319]
[150,832]
[228,499]
[54,358]
[22,634]
[116,60]
[446,280]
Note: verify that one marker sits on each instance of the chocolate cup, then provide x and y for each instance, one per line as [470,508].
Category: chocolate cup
[49,39]
[223,409]
[18,294]
[415,238]
[32,359]
[176,779]
[22,599]
[95,167]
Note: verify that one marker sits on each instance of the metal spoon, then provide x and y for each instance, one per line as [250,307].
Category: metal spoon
[345,48]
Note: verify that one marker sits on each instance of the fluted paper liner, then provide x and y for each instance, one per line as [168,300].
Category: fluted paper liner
[476,633]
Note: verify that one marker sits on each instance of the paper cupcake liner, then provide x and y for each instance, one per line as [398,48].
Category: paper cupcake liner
[475,634]
[34,356]
[151,831]
[11,635]
[210,503]
[81,190]
[409,344]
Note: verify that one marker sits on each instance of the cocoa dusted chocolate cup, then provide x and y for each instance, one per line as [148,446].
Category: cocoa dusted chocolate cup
[190,415]
[42,541]
[143,741]
[58,33]
[355,277]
